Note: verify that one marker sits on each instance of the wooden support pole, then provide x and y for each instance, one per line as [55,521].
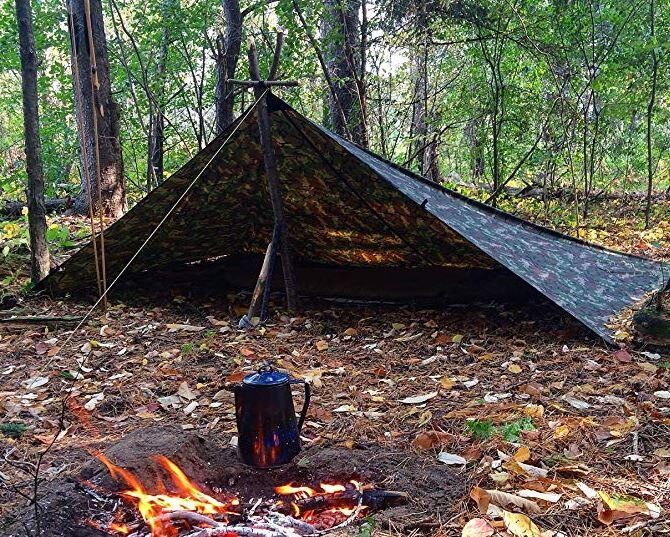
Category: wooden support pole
[270,161]
[257,305]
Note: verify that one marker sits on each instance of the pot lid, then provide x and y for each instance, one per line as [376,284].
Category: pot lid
[266,376]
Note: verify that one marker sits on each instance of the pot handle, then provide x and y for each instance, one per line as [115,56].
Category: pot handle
[305,405]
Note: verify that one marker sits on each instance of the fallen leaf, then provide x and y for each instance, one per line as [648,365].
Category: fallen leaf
[345,408]
[514,368]
[623,356]
[481,498]
[663,453]
[350,332]
[534,411]
[186,392]
[503,499]
[586,490]
[425,417]
[35,382]
[551,497]
[477,527]
[520,525]
[663,394]
[173,327]
[431,439]
[576,403]
[321,345]
[446,383]
[90,404]
[457,338]
[613,508]
[190,407]
[418,399]
[522,454]
[450,458]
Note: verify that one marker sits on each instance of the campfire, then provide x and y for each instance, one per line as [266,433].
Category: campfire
[178,507]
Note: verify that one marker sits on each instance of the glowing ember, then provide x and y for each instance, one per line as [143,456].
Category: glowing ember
[341,503]
[181,496]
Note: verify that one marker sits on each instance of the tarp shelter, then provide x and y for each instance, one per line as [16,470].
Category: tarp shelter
[349,209]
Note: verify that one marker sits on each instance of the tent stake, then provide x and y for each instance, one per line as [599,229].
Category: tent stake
[270,161]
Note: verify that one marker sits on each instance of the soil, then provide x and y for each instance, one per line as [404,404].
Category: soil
[433,488]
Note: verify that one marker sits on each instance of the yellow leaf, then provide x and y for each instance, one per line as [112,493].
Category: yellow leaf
[398,326]
[321,345]
[520,525]
[514,368]
[562,431]
[457,338]
[425,417]
[534,411]
[522,454]
[446,383]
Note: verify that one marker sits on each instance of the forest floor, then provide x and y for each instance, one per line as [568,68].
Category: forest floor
[553,432]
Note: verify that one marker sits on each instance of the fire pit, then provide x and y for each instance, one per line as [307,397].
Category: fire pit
[182,507]
[164,482]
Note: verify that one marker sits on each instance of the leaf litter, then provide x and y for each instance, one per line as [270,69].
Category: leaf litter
[539,418]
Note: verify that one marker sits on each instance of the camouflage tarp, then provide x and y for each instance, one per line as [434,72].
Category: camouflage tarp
[346,206]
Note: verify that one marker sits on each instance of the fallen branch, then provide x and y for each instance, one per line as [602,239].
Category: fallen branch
[14,209]
[40,319]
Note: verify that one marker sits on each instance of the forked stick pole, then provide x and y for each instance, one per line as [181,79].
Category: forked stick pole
[270,161]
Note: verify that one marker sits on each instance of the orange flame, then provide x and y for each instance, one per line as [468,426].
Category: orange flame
[302,492]
[186,497]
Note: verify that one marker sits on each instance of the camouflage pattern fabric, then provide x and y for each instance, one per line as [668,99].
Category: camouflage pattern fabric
[348,207]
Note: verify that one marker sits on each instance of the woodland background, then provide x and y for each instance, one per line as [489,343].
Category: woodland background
[566,97]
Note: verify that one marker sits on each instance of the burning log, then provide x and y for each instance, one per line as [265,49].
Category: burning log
[374,499]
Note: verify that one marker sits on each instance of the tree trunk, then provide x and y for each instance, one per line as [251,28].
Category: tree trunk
[228,54]
[341,37]
[476,146]
[424,150]
[39,252]
[101,154]
[157,121]
[650,113]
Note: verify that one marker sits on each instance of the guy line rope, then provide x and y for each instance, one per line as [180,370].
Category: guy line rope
[116,279]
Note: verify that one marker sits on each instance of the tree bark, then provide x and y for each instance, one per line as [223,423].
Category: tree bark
[424,149]
[109,181]
[228,54]
[341,38]
[650,113]
[39,252]
[156,168]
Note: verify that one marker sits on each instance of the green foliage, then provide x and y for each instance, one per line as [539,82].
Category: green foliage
[187,348]
[512,431]
[482,430]
[367,527]
[13,430]
[573,76]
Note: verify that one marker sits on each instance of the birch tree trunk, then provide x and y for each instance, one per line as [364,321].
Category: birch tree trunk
[93,95]
[39,252]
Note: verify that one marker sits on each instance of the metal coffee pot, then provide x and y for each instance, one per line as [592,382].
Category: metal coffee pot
[268,432]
